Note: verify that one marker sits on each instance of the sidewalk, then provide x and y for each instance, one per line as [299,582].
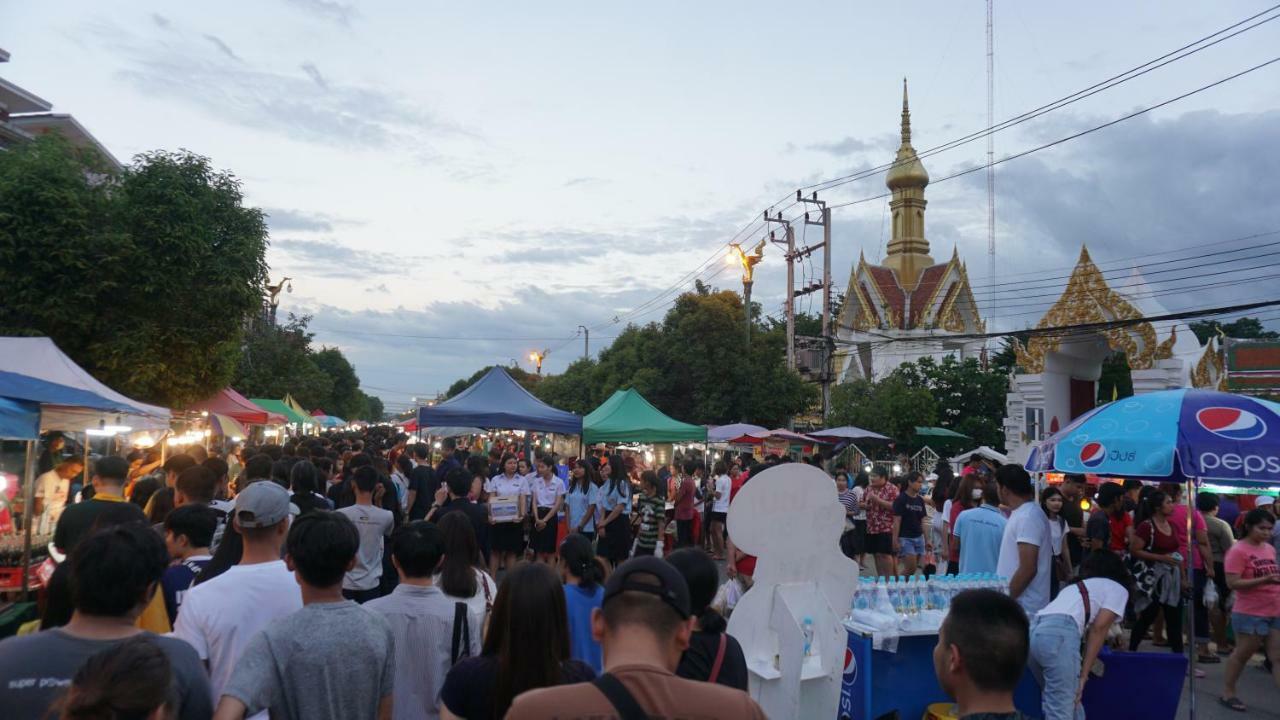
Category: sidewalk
[1257,690]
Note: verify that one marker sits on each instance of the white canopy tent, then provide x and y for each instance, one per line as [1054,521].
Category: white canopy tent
[982,451]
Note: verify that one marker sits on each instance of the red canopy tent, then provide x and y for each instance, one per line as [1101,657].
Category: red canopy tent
[234,405]
[755,438]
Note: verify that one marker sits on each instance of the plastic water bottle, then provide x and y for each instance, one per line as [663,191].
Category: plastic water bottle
[807,626]
[895,597]
[918,595]
[862,598]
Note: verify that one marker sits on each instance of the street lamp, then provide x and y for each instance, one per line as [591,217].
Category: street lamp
[748,262]
[537,357]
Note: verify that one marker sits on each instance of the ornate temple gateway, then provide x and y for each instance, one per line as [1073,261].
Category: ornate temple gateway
[909,298]
[1056,376]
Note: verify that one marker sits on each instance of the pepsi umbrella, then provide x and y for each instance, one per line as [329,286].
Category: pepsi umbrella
[1171,435]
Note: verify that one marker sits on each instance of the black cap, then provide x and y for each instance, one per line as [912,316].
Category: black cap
[670,585]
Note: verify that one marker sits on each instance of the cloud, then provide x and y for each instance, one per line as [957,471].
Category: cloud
[840,148]
[584,180]
[301,220]
[222,47]
[161,21]
[313,72]
[334,11]
[305,106]
[458,337]
[331,259]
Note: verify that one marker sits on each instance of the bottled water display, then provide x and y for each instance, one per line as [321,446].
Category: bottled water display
[897,604]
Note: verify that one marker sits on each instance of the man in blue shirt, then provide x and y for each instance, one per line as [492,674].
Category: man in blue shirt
[979,531]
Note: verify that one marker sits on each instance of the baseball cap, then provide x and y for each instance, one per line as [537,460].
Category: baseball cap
[664,582]
[262,504]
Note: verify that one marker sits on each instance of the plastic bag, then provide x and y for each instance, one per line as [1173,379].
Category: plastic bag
[1210,596]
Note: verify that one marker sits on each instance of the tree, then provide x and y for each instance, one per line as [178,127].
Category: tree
[891,406]
[277,361]
[345,399]
[374,410]
[692,366]
[970,400]
[1246,328]
[142,278]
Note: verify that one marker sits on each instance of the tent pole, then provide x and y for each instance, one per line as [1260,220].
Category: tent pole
[1191,612]
[28,505]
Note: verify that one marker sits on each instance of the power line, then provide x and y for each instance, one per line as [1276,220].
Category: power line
[1111,82]
[1077,135]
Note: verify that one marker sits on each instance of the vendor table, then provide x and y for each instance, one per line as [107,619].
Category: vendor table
[877,683]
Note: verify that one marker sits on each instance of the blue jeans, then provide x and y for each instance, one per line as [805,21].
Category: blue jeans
[1055,662]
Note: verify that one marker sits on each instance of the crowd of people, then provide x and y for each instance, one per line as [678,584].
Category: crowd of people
[1083,564]
[351,576]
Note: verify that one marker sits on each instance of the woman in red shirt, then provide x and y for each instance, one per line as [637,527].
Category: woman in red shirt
[1155,542]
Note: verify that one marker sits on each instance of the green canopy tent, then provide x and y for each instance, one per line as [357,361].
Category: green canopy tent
[282,408]
[627,417]
[940,433]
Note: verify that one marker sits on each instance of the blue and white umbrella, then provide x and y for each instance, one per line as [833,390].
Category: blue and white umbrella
[1173,435]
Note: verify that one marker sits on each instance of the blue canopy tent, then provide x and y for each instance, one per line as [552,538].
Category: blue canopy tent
[499,402]
[41,389]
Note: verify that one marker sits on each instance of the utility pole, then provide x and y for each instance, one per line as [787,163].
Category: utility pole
[828,341]
[791,284]
[586,342]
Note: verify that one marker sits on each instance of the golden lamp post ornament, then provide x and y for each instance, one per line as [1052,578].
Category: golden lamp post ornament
[748,262]
[537,357]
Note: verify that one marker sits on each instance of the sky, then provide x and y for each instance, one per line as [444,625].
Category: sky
[453,185]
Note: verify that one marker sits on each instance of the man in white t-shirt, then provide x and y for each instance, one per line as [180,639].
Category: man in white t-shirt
[719,502]
[218,617]
[1026,550]
[52,491]
[375,524]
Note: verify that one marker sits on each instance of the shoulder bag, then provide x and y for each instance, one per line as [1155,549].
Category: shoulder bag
[623,702]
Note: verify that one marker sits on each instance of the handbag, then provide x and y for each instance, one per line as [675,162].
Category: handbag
[1144,573]
[460,647]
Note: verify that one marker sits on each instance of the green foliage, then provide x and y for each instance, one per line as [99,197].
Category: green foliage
[970,400]
[890,407]
[143,278]
[692,366]
[1116,379]
[1246,328]
[280,360]
[957,395]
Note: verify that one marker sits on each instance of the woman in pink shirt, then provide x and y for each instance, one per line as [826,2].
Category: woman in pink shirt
[1251,572]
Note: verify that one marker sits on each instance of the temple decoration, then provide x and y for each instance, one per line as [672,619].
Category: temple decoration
[909,297]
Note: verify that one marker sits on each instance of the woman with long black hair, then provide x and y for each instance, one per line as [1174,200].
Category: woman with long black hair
[507,537]
[461,576]
[713,655]
[615,505]
[526,647]
[1160,585]
[580,501]
[583,593]
[1052,501]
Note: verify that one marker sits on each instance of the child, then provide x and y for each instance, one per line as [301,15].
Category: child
[651,510]
[187,533]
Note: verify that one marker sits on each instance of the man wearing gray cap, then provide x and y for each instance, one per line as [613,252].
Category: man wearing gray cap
[220,616]
[644,626]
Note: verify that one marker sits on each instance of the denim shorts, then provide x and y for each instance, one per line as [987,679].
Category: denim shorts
[1254,624]
[911,546]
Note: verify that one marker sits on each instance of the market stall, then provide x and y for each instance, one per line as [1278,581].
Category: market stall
[236,406]
[628,417]
[282,408]
[499,402]
[43,390]
[1191,436]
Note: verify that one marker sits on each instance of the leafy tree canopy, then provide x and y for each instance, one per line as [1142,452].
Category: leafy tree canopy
[143,278]
[692,366]
[1246,328]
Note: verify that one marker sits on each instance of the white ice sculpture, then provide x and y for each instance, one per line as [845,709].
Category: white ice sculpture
[791,519]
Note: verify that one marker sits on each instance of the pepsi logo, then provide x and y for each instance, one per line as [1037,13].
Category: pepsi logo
[1231,423]
[1092,454]
[850,666]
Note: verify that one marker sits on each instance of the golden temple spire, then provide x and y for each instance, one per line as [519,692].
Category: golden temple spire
[906,117]
[908,248]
